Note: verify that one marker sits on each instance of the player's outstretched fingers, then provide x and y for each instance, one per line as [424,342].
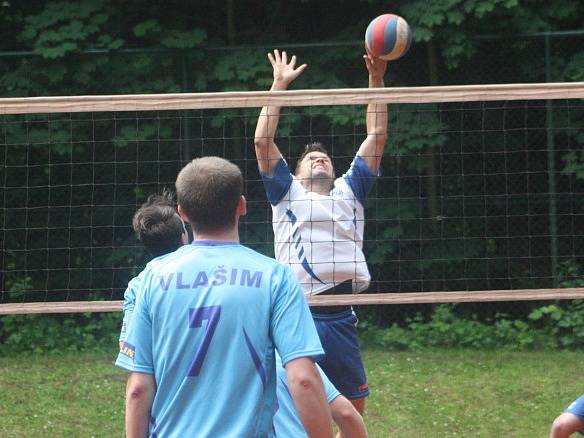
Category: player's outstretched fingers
[271,59]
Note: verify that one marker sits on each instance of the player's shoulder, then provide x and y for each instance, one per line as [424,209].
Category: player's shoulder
[260,258]
[162,262]
[341,187]
[296,189]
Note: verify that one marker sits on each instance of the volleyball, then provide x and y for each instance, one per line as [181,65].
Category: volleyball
[388,37]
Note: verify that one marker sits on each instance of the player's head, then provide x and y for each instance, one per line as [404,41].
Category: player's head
[210,194]
[315,164]
[158,225]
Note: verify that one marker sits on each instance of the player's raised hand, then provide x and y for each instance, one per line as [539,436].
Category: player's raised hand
[375,66]
[284,71]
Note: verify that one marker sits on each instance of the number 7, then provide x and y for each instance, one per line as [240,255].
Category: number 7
[196,318]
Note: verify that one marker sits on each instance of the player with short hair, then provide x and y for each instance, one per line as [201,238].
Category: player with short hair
[158,226]
[208,318]
[288,425]
[161,230]
[570,421]
[318,222]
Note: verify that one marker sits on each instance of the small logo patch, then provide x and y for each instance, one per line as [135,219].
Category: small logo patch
[128,350]
[363,387]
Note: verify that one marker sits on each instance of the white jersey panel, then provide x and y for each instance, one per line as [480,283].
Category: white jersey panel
[321,237]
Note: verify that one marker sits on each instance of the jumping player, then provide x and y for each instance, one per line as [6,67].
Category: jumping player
[200,347]
[318,222]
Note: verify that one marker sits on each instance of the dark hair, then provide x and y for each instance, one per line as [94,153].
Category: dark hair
[208,191]
[157,224]
[315,146]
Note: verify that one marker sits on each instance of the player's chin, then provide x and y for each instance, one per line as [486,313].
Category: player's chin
[320,174]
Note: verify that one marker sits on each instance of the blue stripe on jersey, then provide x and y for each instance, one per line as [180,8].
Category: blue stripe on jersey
[153,427]
[303,261]
[292,217]
[279,183]
[256,359]
[308,269]
[360,178]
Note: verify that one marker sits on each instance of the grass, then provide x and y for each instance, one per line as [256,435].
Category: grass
[469,393]
[422,394]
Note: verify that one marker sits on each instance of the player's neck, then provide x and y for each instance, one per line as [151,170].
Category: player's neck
[231,235]
[317,185]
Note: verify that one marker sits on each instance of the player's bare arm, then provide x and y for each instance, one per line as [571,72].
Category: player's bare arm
[371,150]
[140,390]
[309,397]
[349,421]
[285,72]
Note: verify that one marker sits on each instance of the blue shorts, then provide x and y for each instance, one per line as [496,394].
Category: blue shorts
[342,364]
[577,409]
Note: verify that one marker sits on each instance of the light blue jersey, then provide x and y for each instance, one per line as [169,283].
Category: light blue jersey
[129,303]
[287,423]
[206,323]
[130,295]
[577,408]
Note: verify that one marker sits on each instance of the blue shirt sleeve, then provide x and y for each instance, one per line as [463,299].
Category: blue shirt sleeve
[330,390]
[136,350]
[291,325]
[279,183]
[129,303]
[360,178]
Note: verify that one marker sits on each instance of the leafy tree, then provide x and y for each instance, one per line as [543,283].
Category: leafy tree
[108,47]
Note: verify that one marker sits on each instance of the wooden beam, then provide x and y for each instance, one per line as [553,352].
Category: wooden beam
[329,300]
[257,99]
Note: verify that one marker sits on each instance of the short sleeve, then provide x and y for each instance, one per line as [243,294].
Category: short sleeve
[329,389]
[136,350]
[360,178]
[292,326]
[129,304]
[278,184]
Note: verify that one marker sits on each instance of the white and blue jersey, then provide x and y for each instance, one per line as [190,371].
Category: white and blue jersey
[206,323]
[287,423]
[321,237]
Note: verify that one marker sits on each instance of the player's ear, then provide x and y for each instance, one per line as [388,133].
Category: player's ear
[182,214]
[241,206]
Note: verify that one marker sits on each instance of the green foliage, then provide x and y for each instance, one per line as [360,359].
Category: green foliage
[64,27]
[571,274]
[41,333]
[574,164]
[565,324]
[547,327]
[105,47]
[17,285]
[450,22]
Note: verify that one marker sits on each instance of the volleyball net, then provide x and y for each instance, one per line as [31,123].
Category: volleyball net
[481,195]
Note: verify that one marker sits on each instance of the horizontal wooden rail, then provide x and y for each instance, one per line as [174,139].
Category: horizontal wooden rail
[251,99]
[448,297]
[329,300]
